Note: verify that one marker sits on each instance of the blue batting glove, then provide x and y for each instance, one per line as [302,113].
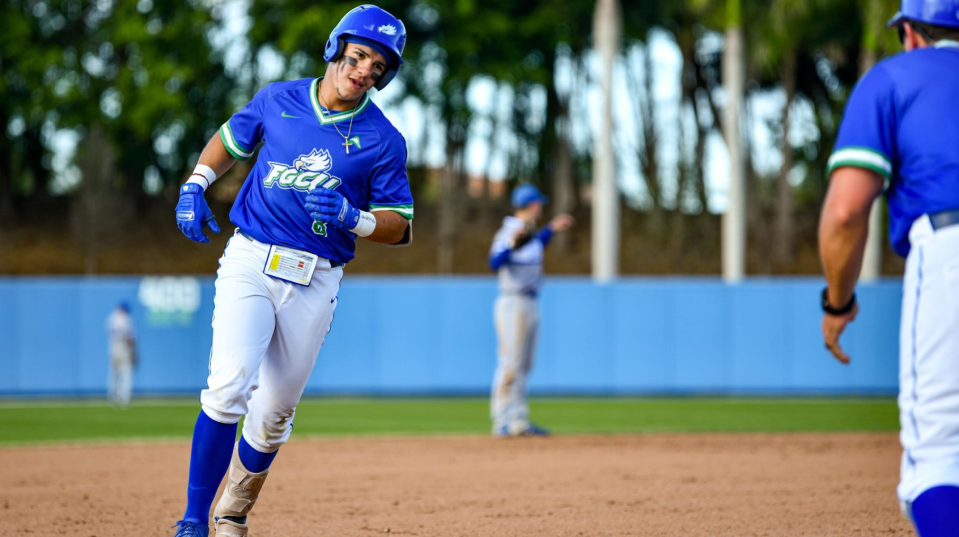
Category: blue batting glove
[192,213]
[330,207]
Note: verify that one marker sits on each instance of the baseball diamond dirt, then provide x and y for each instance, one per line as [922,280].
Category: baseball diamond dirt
[832,484]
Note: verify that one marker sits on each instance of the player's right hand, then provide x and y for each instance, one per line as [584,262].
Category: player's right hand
[330,207]
[562,222]
[192,213]
[833,327]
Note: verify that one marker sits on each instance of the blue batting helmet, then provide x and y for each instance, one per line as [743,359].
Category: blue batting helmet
[932,12]
[369,24]
[525,194]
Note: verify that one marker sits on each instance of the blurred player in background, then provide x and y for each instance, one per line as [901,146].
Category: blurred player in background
[517,256]
[123,354]
[332,168]
[901,129]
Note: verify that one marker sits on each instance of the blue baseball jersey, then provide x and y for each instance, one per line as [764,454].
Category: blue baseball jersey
[303,148]
[901,121]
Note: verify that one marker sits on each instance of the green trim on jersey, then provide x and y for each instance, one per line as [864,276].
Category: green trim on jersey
[232,147]
[406,211]
[860,157]
[336,117]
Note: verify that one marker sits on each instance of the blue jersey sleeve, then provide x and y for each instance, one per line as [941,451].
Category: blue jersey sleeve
[867,134]
[389,185]
[499,259]
[244,131]
[545,235]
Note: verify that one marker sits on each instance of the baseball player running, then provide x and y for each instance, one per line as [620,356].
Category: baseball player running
[901,129]
[331,168]
[517,256]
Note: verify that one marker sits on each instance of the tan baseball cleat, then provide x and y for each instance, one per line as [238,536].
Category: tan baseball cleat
[242,489]
[228,528]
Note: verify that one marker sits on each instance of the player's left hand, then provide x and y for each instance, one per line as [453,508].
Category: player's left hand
[192,213]
[330,207]
[833,327]
[561,222]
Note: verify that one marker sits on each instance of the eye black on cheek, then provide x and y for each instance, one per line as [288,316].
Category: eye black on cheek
[351,61]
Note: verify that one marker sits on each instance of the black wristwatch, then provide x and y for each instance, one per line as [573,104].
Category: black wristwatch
[826,307]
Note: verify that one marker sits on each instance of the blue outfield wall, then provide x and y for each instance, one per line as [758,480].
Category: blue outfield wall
[417,335]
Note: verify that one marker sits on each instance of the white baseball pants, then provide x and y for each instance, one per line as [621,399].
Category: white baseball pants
[517,324]
[121,374]
[929,361]
[267,334]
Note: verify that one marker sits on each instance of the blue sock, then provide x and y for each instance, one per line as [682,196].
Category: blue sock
[209,461]
[254,460]
[936,512]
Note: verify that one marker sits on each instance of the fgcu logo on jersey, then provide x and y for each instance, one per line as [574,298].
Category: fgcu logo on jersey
[306,173]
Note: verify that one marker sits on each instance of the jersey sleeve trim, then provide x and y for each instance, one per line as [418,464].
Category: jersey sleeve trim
[860,157]
[406,211]
[229,142]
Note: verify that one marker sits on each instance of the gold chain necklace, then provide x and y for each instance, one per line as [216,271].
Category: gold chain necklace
[346,139]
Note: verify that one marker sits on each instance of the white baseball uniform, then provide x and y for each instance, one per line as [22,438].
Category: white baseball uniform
[122,339]
[516,315]
[268,327]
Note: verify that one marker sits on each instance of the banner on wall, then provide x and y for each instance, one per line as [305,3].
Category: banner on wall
[169,300]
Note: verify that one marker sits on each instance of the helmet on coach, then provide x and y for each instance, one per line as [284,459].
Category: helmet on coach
[371,26]
[932,12]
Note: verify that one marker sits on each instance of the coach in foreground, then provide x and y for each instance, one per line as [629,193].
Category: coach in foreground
[900,132]
[332,168]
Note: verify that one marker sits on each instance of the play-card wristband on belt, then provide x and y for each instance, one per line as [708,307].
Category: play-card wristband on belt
[826,307]
[203,175]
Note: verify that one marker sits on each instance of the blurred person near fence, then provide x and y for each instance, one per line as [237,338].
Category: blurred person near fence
[123,354]
[517,256]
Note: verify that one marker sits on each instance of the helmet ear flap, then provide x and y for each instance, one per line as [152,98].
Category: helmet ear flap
[334,51]
[388,75]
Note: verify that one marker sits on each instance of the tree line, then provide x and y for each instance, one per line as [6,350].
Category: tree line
[144,84]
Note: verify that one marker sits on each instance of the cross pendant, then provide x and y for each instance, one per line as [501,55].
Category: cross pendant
[347,144]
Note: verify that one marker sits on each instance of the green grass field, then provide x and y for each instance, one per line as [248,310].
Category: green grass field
[53,422]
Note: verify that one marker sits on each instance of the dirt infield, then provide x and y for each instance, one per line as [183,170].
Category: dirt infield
[643,485]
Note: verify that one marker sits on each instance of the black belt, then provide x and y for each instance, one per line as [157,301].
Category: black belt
[944,219]
[333,264]
[523,293]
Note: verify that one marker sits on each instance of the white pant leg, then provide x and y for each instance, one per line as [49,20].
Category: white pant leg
[112,384]
[520,405]
[124,383]
[303,320]
[121,371]
[243,324]
[929,362]
[514,317]
[503,378]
